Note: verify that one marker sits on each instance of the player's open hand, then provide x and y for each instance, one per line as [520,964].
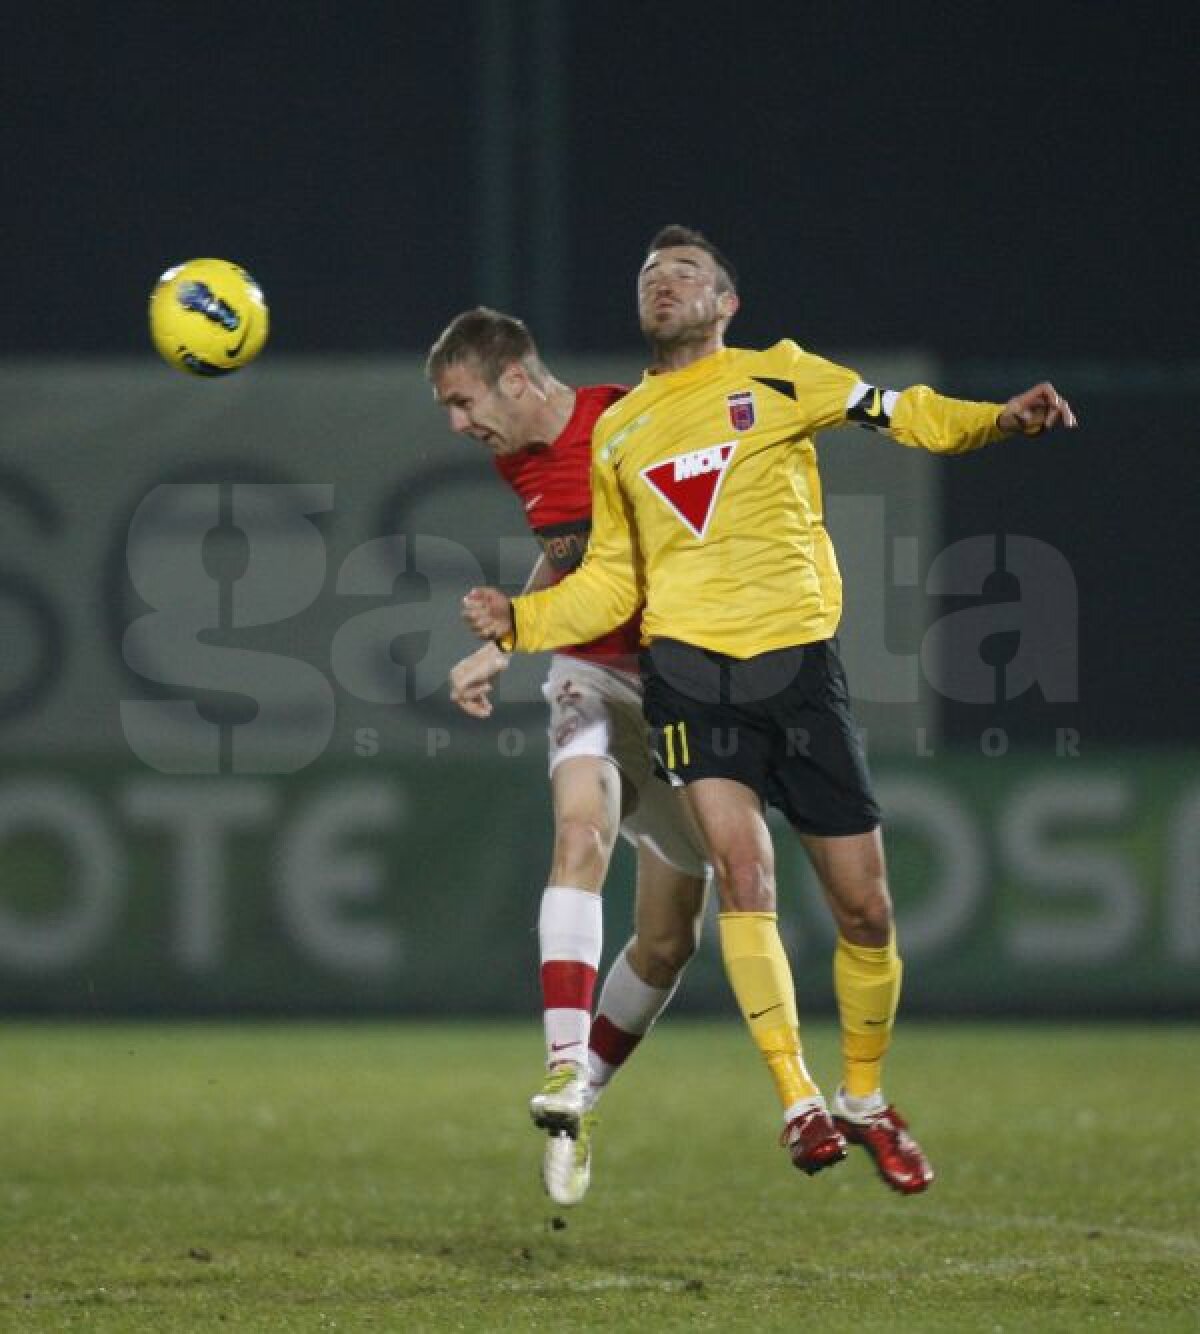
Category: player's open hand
[471,680]
[488,613]
[1039,409]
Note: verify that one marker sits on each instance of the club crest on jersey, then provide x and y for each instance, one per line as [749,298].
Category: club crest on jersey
[690,483]
[741,409]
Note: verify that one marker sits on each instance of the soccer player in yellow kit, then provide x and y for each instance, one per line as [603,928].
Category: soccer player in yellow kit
[707,505]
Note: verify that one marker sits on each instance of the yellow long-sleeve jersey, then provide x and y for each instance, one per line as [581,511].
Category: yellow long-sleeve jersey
[706,502]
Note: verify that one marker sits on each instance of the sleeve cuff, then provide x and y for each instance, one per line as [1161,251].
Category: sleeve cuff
[507,643]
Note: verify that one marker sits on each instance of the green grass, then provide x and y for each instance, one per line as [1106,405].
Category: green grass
[384,1177]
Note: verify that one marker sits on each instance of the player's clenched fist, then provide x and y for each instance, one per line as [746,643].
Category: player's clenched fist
[471,680]
[488,613]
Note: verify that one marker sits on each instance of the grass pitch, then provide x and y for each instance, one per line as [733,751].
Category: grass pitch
[384,1177]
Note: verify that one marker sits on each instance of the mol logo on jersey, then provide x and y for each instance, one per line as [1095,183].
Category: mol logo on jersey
[690,483]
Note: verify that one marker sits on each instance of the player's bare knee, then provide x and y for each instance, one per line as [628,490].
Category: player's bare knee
[865,918]
[746,883]
[581,850]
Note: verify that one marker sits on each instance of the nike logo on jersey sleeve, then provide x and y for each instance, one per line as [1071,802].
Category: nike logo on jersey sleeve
[871,407]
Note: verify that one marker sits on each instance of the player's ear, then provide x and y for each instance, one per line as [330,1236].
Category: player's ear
[727,305]
[513,379]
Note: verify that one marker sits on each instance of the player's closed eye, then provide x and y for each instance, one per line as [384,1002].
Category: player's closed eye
[674,273]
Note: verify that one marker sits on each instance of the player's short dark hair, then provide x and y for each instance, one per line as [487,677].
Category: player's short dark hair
[676,234]
[490,339]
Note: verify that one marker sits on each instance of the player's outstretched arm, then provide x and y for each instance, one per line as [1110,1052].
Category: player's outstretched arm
[920,416]
[471,679]
[1039,409]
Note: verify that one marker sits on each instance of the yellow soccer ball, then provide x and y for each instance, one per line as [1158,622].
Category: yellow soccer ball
[208,316]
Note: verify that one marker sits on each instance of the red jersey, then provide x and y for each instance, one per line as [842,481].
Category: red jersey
[553,482]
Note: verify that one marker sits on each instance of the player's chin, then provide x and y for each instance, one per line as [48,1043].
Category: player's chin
[656,323]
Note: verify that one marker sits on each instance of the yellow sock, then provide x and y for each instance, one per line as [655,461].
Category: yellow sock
[761,978]
[866,981]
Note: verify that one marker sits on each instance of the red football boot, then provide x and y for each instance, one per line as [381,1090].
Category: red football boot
[813,1141]
[898,1157]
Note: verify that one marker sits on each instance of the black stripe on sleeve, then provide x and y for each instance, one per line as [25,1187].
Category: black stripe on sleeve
[869,410]
[784,387]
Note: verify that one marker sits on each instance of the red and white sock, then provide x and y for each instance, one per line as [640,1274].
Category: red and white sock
[570,933]
[628,1006]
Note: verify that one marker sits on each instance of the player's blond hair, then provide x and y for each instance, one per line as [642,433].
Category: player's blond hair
[490,340]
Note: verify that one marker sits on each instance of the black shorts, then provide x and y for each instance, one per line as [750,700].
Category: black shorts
[779,722]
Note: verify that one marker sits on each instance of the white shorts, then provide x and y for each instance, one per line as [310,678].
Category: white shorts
[597,711]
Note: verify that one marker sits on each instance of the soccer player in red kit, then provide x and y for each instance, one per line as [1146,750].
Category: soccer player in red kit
[487,374]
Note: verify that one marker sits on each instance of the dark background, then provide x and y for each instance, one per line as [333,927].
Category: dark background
[1009,187]
[977,179]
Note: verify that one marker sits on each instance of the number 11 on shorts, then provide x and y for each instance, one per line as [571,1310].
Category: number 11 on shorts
[676,733]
